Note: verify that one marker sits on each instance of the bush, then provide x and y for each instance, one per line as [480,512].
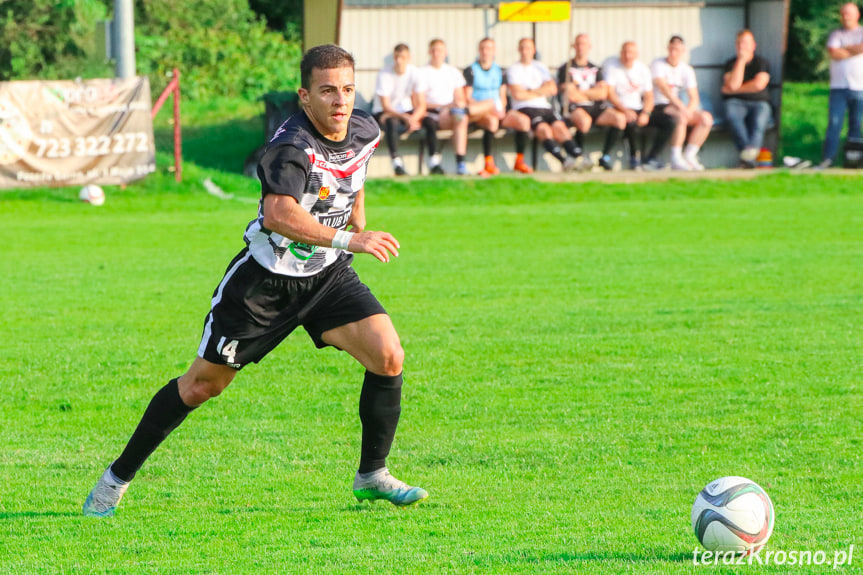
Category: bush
[811,23]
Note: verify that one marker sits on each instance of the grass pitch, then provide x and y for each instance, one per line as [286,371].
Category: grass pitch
[581,361]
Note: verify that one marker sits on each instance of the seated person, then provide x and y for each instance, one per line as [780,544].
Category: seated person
[631,93]
[445,107]
[398,102]
[586,91]
[747,102]
[530,85]
[672,77]
[485,93]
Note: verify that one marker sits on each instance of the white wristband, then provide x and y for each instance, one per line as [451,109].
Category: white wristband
[342,239]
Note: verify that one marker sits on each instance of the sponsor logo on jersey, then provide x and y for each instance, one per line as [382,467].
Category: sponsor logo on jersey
[335,220]
[342,156]
[324,192]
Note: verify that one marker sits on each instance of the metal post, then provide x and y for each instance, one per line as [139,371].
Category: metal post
[124,37]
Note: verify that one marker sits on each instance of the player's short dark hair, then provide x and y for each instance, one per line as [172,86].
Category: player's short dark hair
[325,57]
[401,48]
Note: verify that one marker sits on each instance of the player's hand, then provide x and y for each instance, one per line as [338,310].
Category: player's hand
[378,244]
[413,124]
[643,119]
[631,115]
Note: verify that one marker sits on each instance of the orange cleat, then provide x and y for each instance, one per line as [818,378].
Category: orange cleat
[490,169]
[521,166]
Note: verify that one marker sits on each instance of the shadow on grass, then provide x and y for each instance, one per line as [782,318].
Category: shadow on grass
[647,556]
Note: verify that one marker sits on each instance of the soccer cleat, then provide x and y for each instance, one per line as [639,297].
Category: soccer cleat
[681,165]
[694,163]
[569,164]
[381,485]
[437,170]
[606,163]
[106,495]
[653,165]
[490,169]
[634,164]
[521,166]
[461,169]
[399,166]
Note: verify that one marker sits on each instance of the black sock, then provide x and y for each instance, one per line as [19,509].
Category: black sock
[487,139]
[579,140]
[553,149]
[572,149]
[380,407]
[631,134]
[165,412]
[430,126]
[612,137]
[459,158]
[391,131]
[520,142]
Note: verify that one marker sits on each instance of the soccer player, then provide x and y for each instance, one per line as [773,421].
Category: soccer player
[586,92]
[399,102]
[446,107]
[747,102]
[672,78]
[631,93]
[485,91]
[531,85]
[295,271]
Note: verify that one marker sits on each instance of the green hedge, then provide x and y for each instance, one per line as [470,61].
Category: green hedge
[222,47]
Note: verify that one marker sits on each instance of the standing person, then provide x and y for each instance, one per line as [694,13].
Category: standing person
[485,91]
[631,93]
[673,78]
[295,270]
[399,102]
[531,85]
[845,47]
[747,102]
[586,93]
[446,107]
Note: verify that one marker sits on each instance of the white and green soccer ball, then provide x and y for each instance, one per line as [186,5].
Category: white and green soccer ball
[733,515]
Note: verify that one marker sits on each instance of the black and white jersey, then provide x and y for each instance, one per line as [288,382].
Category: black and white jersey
[584,77]
[323,176]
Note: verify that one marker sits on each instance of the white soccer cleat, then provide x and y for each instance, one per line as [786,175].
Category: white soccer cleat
[681,165]
[694,163]
[106,495]
[381,485]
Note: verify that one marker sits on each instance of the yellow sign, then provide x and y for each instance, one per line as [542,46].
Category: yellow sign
[539,11]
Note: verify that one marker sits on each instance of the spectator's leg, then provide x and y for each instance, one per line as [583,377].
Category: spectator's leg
[760,119]
[665,125]
[430,126]
[391,133]
[855,113]
[735,113]
[631,135]
[835,118]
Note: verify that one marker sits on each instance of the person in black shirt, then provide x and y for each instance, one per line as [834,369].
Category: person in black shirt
[295,271]
[747,101]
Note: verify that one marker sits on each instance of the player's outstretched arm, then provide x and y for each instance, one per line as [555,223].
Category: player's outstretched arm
[283,215]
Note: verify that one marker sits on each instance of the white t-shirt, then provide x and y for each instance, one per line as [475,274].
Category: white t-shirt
[529,77]
[441,84]
[628,83]
[847,73]
[679,78]
[398,88]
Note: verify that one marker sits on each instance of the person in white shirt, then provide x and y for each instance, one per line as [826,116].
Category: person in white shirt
[399,102]
[674,80]
[586,91]
[530,86]
[631,93]
[446,107]
[845,46]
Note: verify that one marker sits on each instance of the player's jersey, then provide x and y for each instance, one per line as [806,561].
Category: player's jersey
[584,77]
[323,176]
[485,83]
[529,77]
[680,79]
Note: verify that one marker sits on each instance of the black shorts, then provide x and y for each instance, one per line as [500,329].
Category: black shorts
[379,115]
[254,309]
[659,119]
[594,110]
[540,116]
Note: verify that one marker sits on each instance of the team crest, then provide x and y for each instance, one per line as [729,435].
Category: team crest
[324,192]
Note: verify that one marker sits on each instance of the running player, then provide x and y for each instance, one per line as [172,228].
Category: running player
[531,85]
[673,79]
[485,91]
[586,92]
[295,271]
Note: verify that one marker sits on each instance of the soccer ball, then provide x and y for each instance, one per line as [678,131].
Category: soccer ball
[732,515]
[92,194]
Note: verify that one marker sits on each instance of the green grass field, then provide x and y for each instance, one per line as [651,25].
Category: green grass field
[581,361]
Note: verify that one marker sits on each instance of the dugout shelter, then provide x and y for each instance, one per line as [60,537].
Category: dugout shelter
[370,28]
